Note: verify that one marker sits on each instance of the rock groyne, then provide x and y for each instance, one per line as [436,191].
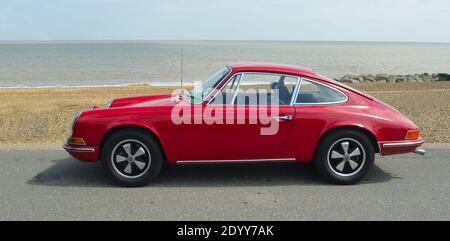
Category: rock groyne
[389,78]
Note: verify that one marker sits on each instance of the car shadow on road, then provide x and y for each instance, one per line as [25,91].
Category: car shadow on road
[70,172]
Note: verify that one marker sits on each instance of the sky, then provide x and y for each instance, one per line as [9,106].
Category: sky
[307,20]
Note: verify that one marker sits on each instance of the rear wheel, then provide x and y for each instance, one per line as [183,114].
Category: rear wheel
[344,157]
[132,157]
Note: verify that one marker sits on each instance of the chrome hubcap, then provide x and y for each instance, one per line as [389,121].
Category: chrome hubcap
[131,158]
[346,157]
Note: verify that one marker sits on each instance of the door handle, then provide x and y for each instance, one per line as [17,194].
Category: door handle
[283,117]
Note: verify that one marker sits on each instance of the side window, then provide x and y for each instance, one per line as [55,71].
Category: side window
[225,96]
[313,93]
[265,89]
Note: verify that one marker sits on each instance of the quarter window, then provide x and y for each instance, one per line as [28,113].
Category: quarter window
[314,93]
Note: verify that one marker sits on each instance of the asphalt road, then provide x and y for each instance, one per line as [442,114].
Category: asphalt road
[48,185]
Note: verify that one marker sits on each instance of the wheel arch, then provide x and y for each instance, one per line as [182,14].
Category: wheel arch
[115,129]
[363,130]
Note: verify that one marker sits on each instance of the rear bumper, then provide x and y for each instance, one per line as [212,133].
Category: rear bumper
[400,147]
[83,153]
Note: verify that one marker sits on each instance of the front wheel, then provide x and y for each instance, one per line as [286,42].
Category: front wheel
[344,157]
[132,158]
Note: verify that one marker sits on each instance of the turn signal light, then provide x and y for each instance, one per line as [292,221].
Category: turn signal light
[76,141]
[412,135]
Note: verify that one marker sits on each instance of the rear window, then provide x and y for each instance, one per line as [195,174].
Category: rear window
[348,87]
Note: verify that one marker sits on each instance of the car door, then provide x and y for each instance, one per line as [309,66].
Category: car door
[256,119]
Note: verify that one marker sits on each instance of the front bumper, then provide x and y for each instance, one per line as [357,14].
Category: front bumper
[83,153]
[400,147]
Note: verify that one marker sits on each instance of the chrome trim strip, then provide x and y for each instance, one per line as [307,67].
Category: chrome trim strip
[296,90]
[237,88]
[283,117]
[223,86]
[402,144]
[78,149]
[236,161]
[322,103]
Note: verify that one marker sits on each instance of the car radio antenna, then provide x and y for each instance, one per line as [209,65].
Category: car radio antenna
[181,62]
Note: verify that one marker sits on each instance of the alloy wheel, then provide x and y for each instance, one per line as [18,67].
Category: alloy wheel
[346,157]
[131,158]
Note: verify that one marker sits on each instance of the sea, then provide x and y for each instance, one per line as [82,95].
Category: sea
[120,63]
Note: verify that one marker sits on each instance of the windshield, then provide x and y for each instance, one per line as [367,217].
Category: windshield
[200,92]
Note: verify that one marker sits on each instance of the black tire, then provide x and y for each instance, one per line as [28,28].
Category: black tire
[354,164]
[122,163]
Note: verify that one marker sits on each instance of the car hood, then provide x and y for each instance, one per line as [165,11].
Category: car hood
[148,100]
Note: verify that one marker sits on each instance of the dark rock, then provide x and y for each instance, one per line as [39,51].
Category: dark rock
[348,81]
[426,77]
[369,79]
[400,79]
[381,77]
[443,77]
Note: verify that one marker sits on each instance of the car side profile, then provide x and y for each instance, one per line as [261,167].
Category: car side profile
[245,113]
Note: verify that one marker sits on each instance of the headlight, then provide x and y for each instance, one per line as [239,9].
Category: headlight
[75,118]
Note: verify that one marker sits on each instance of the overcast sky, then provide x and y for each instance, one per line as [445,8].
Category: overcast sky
[328,20]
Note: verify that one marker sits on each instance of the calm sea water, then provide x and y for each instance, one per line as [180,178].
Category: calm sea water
[158,62]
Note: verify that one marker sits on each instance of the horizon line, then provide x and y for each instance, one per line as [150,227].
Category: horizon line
[205,40]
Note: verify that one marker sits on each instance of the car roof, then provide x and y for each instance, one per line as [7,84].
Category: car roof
[271,67]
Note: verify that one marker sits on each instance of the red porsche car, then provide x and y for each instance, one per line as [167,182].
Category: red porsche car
[245,113]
